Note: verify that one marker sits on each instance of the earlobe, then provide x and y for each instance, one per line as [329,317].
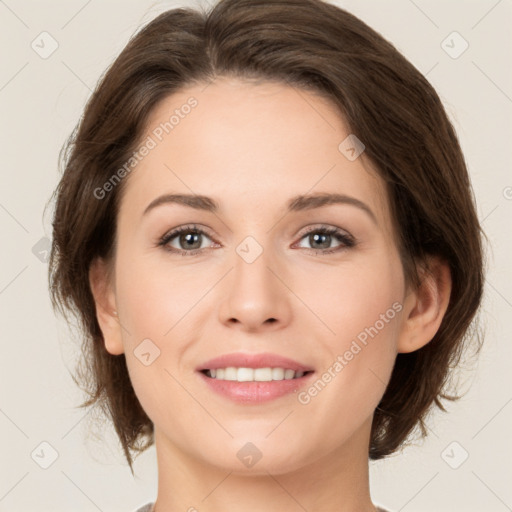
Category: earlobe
[424,308]
[104,299]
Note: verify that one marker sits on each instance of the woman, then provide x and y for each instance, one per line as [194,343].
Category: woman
[266,228]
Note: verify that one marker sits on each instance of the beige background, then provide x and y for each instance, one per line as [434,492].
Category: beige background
[40,103]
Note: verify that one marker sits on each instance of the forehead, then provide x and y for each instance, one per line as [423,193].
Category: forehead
[251,145]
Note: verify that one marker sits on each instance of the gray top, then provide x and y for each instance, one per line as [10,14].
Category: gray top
[145,508]
[148,508]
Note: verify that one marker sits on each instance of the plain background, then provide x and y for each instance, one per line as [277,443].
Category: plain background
[40,102]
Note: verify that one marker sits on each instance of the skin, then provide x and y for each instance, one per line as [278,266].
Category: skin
[251,147]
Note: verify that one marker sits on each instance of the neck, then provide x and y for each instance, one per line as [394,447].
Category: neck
[336,482]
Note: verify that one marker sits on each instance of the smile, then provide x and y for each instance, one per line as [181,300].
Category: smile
[254,374]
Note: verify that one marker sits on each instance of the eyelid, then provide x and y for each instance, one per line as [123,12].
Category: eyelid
[348,241]
[188,227]
[325,227]
[171,233]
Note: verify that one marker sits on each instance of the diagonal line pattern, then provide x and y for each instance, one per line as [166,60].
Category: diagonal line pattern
[287,492]
[503,407]
[377,377]
[299,93]
[13,423]
[12,280]
[491,490]
[4,4]
[200,404]
[431,69]
[407,502]
[280,423]
[489,214]
[81,491]
[14,218]
[206,293]
[319,180]
[14,486]
[76,75]
[123,327]
[301,301]
[492,81]
[502,296]
[75,15]
[14,76]
[69,431]
[485,15]
[227,227]
[217,485]
[424,13]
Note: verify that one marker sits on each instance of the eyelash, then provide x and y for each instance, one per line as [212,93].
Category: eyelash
[346,240]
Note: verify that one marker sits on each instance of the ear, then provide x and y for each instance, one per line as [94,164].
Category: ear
[104,298]
[425,307]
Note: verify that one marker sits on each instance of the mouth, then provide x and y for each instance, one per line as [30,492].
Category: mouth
[254,378]
[266,374]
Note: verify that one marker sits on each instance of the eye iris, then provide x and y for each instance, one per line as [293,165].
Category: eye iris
[316,237]
[189,239]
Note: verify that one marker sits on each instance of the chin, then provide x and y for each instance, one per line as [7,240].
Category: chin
[257,457]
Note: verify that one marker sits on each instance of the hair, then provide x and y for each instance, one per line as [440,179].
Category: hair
[384,100]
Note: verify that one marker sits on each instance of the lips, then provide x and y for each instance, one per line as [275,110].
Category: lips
[245,360]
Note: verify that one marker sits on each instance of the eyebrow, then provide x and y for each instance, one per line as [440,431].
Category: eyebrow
[295,204]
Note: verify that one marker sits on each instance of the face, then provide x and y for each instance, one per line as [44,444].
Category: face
[318,283]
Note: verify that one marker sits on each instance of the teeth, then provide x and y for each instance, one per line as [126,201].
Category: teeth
[289,374]
[253,374]
[277,373]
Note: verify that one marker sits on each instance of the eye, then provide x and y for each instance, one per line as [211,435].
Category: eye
[188,239]
[320,238]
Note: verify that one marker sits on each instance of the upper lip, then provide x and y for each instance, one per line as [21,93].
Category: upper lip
[245,360]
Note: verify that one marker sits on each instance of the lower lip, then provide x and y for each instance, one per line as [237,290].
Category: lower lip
[255,392]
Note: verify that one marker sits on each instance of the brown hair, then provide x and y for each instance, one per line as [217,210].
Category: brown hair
[387,104]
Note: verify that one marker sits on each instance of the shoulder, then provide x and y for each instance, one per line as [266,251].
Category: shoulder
[149,507]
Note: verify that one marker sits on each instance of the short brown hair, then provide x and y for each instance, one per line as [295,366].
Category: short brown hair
[385,101]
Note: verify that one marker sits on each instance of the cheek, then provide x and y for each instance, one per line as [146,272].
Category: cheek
[155,318]
[159,302]
[361,313]
[356,297]
[156,297]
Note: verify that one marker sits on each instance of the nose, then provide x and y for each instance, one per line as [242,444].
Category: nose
[255,295]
